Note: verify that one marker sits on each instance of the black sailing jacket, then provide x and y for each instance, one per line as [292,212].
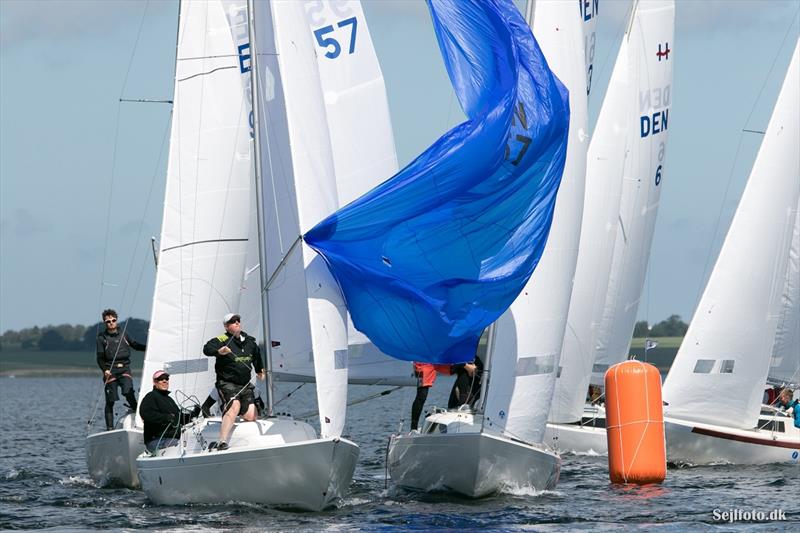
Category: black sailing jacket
[235,367]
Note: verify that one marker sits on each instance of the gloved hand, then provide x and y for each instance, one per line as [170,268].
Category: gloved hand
[195,412]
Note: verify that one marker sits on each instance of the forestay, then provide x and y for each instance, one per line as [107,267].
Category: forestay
[204,230]
[785,365]
[726,351]
[432,256]
[527,339]
[604,172]
[650,58]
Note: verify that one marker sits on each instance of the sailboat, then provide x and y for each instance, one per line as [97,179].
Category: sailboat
[111,455]
[205,232]
[312,70]
[499,443]
[713,391]
[625,169]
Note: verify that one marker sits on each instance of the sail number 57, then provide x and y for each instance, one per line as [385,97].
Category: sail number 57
[333,46]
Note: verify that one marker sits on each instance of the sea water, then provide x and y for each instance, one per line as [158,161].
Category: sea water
[44,482]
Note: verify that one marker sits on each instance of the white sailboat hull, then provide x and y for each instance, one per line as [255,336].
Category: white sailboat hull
[470,463]
[568,438]
[696,443]
[111,456]
[276,462]
[587,438]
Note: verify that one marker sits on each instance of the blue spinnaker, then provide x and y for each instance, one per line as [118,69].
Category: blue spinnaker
[432,256]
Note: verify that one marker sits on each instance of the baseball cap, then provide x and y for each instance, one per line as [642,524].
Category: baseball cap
[230,318]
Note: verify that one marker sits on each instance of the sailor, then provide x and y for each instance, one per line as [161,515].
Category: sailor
[426,376]
[236,353]
[114,359]
[161,415]
[467,386]
[784,401]
[791,406]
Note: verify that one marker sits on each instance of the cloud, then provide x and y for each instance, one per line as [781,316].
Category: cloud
[24,22]
[709,16]
[726,15]
[23,223]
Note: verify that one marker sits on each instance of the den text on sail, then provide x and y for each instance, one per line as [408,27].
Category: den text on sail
[654,110]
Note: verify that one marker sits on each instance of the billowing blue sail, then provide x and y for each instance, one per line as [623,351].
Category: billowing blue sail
[432,256]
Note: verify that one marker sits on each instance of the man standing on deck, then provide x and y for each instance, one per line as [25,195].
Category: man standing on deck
[114,359]
[236,353]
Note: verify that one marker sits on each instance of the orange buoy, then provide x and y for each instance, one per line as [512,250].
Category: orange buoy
[635,424]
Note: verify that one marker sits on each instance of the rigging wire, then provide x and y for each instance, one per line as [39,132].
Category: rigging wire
[109,202]
[702,278]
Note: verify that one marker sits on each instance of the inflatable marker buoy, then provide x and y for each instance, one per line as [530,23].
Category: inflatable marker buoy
[635,424]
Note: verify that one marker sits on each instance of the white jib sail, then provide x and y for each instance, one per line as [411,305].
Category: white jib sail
[650,58]
[204,230]
[785,365]
[300,158]
[362,141]
[362,150]
[726,351]
[605,163]
[528,337]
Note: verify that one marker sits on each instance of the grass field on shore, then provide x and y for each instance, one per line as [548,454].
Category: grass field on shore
[44,363]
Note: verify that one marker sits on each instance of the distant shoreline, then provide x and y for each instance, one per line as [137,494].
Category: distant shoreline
[25,364]
[34,372]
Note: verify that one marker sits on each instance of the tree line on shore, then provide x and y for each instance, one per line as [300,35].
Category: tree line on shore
[671,327]
[67,337]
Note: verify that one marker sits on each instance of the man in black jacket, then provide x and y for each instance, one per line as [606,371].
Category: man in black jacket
[161,415]
[236,353]
[114,359]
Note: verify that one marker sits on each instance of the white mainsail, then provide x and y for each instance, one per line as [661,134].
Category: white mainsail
[526,342]
[785,364]
[726,351]
[649,52]
[204,230]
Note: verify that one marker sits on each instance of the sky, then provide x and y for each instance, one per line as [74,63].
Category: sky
[82,174]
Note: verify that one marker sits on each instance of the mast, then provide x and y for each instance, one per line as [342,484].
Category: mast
[490,336]
[262,261]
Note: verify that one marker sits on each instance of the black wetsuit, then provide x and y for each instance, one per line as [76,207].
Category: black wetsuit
[114,355]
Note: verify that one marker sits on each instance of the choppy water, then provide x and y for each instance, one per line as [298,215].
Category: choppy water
[44,483]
